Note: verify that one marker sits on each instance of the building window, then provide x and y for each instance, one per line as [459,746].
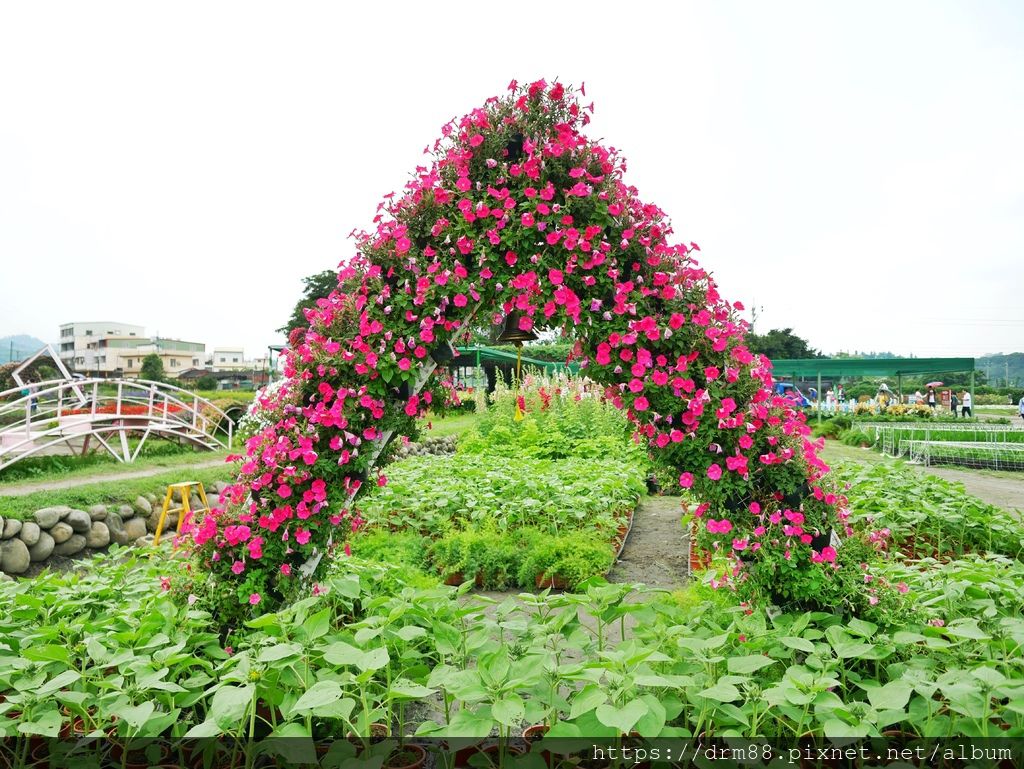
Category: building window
[130,363]
[174,362]
[88,332]
[234,360]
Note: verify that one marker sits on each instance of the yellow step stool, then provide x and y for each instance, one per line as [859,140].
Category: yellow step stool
[185,489]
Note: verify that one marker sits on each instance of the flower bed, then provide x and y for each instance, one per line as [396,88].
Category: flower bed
[126,409]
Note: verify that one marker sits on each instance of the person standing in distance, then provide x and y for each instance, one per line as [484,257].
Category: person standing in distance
[953,402]
[966,411]
[930,398]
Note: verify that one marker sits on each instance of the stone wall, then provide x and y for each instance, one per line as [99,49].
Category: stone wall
[64,531]
[437,446]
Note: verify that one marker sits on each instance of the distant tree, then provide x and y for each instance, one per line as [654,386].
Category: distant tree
[317,286]
[206,382]
[781,344]
[153,368]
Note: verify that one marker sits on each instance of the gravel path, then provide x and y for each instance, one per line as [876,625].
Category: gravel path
[21,490]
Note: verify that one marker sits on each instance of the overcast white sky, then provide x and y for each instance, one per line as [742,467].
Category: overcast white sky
[856,169]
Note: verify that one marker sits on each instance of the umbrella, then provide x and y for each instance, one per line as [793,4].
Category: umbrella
[934,384]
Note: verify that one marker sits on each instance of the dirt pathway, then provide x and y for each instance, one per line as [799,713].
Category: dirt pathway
[21,490]
[1004,492]
[657,552]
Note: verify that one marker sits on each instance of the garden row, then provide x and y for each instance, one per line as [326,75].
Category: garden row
[545,500]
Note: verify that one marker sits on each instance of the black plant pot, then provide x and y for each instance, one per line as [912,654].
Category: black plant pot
[443,353]
[653,487]
[823,540]
[797,495]
[735,505]
[514,148]
[404,391]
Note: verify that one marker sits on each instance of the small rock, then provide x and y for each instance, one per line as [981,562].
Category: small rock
[30,532]
[146,541]
[6,577]
[61,532]
[41,550]
[98,512]
[98,536]
[135,528]
[79,520]
[142,505]
[195,503]
[170,523]
[70,547]
[48,516]
[115,525]
[220,487]
[14,556]
[151,497]
[11,527]
[126,512]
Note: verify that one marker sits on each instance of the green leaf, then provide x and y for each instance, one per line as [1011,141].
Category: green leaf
[279,652]
[58,682]
[468,723]
[229,704]
[292,729]
[722,692]
[319,694]
[800,644]
[749,663]
[589,697]
[406,689]
[47,653]
[623,719]
[207,728]
[317,625]
[893,696]
[967,628]
[409,632]
[46,725]
[341,653]
[374,659]
[508,711]
[137,715]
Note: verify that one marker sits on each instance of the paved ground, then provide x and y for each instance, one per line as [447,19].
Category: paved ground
[657,551]
[19,490]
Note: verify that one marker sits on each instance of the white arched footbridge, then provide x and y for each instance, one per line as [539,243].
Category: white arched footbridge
[75,416]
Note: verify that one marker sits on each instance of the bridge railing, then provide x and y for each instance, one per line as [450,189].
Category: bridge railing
[43,414]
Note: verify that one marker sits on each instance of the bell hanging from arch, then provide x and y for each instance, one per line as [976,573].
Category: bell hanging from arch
[511,333]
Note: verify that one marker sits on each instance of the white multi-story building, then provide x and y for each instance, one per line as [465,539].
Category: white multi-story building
[229,359]
[75,339]
[109,349]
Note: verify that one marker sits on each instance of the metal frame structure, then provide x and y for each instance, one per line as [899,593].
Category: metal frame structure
[988,455]
[895,445]
[67,415]
[861,367]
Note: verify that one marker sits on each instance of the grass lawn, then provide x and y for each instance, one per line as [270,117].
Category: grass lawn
[42,469]
[454,424]
[110,492]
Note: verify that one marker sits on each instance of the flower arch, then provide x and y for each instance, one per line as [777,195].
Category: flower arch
[519,211]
